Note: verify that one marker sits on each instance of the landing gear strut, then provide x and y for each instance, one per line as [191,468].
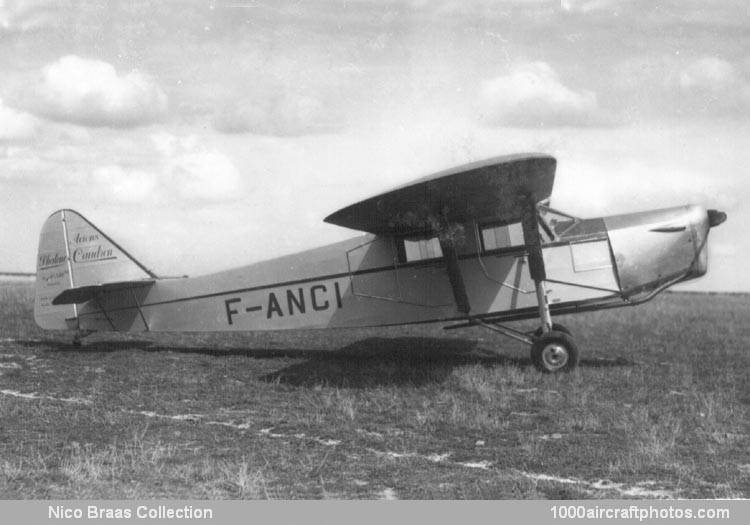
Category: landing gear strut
[556,327]
[551,351]
[552,347]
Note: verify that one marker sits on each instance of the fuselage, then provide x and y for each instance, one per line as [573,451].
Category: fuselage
[383,280]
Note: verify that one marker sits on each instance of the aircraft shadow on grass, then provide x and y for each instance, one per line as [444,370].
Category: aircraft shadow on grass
[413,361]
[374,361]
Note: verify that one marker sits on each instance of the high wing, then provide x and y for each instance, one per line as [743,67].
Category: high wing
[492,189]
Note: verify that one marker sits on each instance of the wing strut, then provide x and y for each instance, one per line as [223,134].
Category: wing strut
[533,241]
[454,275]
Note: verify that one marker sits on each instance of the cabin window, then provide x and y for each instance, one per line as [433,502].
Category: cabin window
[420,249]
[505,236]
[589,256]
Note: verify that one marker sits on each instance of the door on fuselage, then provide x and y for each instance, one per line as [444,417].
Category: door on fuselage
[402,270]
[501,279]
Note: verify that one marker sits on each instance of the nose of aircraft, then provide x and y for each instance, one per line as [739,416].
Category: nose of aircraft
[655,246]
[716,217]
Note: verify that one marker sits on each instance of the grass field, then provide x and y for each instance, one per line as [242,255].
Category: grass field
[658,408]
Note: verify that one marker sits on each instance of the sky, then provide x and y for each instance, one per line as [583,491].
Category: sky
[207,134]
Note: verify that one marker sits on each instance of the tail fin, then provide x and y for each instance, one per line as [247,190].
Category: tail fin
[74,253]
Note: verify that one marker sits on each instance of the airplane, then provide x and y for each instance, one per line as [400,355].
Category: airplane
[473,246]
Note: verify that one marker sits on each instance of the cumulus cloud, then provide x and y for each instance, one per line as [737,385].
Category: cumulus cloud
[24,15]
[532,95]
[686,87]
[194,171]
[16,163]
[92,93]
[589,6]
[16,125]
[125,185]
[709,73]
[183,171]
[712,85]
[281,114]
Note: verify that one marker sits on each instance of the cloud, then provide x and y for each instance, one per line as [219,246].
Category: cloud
[590,6]
[712,85]
[689,87]
[158,169]
[16,163]
[182,172]
[629,185]
[531,95]
[16,125]
[708,73]
[92,93]
[280,114]
[130,186]
[196,172]
[25,15]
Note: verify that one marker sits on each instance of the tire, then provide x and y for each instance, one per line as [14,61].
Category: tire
[554,352]
[555,326]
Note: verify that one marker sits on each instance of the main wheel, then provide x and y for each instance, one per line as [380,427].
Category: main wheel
[554,351]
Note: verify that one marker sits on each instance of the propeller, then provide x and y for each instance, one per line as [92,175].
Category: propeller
[716,217]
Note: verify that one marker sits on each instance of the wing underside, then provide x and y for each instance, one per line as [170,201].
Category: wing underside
[496,189]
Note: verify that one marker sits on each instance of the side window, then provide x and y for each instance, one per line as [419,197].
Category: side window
[506,236]
[590,255]
[419,249]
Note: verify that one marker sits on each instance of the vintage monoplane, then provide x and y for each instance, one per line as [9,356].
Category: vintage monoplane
[476,245]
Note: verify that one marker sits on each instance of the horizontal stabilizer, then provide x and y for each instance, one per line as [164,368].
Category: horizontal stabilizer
[81,294]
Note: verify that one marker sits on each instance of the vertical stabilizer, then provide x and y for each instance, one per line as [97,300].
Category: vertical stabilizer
[75,253]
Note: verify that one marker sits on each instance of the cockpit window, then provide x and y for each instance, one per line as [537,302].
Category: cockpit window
[555,223]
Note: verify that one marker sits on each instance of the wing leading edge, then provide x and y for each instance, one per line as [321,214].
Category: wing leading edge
[493,189]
